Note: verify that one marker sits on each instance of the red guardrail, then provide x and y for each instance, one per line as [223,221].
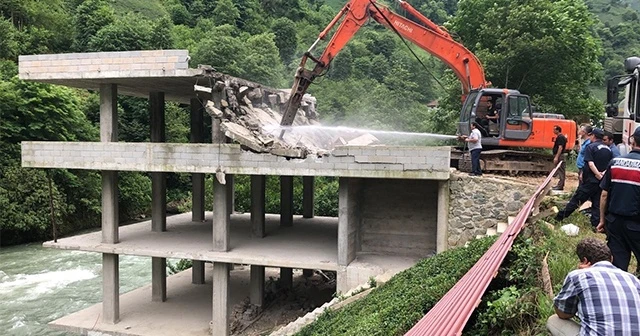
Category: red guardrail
[451,313]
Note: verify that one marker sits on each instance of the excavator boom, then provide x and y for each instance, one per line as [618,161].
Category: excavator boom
[426,35]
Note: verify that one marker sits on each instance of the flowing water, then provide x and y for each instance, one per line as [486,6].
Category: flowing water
[384,136]
[39,285]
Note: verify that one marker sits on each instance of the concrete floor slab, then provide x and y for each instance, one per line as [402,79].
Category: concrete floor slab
[187,310]
[310,243]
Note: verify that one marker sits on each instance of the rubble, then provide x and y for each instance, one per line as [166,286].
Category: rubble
[249,115]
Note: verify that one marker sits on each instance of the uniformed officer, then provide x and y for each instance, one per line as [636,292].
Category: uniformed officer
[620,202]
[596,157]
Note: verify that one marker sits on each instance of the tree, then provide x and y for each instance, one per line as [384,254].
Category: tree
[536,46]
[285,38]
[8,43]
[262,62]
[89,18]
[225,12]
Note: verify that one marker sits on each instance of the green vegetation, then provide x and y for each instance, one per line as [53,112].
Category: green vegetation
[514,304]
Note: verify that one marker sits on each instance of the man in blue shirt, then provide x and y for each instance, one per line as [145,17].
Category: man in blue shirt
[585,135]
[606,298]
[608,140]
[621,203]
[596,157]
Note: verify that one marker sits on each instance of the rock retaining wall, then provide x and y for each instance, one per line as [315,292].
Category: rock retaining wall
[479,203]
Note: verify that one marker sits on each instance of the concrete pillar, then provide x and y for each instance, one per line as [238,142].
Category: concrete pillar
[158,180]
[257,285]
[348,219]
[110,288]
[197,272]
[158,279]
[197,179]
[231,193]
[286,277]
[220,316]
[286,200]
[109,133]
[258,186]
[442,230]
[307,196]
[216,134]
[220,217]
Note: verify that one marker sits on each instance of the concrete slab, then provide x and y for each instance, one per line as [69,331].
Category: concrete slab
[187,310]
[310,243]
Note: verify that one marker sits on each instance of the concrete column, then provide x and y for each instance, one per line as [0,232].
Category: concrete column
[158,279]
[110,288]
[158,180]
[258,186]
[307,196]
[216,134]
[231,193]
[442,230]
[197,179]
[286,277]
[286,200]
[197,272]
[109,133]
[220,217]
[348,219]
[257,285]
[220,316]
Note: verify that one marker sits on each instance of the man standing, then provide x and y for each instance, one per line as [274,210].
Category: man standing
[559,147]
[608,140]
[620,202]
[585,135]
[475,147]
[597,157]
[606,299]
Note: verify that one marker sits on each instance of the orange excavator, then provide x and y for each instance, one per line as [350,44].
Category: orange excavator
[509,126]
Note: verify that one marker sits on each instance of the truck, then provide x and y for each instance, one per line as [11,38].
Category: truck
[622,114]
[510,137]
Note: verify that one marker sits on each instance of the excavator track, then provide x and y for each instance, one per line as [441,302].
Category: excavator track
[504,161]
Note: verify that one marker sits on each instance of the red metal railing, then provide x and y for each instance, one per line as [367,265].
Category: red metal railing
[451,313]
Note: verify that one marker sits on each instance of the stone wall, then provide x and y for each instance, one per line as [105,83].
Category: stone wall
[399,217]
[479,203]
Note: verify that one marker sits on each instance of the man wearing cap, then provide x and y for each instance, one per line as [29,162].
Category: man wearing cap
[585,135]
[596,157]
[620,202]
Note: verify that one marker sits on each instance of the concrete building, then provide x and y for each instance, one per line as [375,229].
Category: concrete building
[393,202]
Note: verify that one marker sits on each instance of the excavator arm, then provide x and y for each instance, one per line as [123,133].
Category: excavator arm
[426,35]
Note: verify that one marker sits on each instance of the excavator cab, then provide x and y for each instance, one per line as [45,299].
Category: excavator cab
[501,114]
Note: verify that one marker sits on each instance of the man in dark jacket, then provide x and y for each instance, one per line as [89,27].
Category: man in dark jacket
[596,157]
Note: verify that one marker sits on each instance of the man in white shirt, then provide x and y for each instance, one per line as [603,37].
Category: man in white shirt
[474,141]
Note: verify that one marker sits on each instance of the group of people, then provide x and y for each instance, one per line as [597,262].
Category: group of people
[601,292]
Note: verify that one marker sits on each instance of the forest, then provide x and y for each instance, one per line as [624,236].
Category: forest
[559,52]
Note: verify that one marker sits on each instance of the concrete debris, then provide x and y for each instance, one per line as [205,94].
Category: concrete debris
[249,115]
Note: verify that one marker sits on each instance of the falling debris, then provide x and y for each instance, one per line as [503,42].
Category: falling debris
[249,114]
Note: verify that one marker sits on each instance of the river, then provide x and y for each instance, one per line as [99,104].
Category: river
[39,285]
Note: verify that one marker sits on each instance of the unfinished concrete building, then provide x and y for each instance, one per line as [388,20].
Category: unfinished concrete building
[393,201]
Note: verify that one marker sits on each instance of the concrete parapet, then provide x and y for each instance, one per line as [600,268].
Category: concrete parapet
[231,159]
[141,63]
